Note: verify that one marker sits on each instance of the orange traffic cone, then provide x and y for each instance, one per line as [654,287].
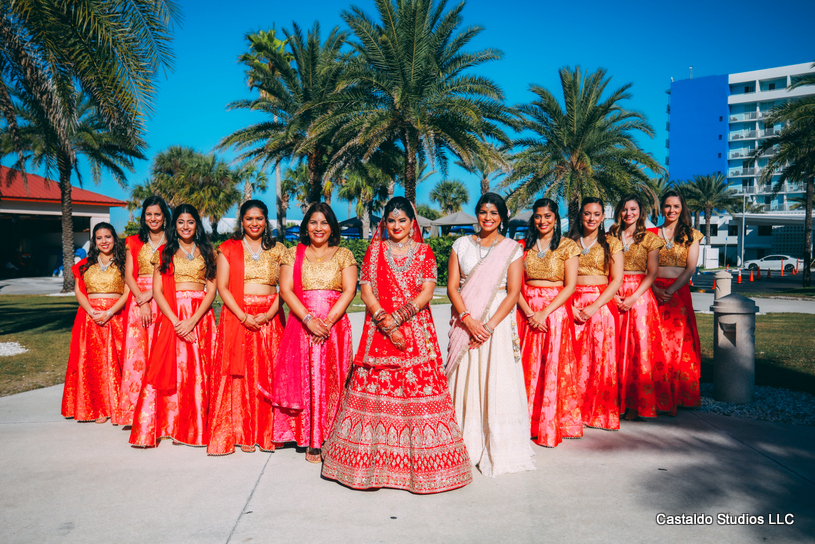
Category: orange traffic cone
[691,281]
[739,281]
[714,284]
[728,268]
[758,274]
[782,270]
[751,274]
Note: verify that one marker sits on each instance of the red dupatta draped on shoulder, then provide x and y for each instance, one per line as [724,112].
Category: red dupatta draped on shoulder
[162,368]
[286,389]
[134,245]
[234,331]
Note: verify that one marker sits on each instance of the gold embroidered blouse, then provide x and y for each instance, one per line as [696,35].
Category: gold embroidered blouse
[109,281]
[186,271]
[636,258]
[678,254]
[145,260]
[592,264]
[323,276]
[266,270]
[553,265]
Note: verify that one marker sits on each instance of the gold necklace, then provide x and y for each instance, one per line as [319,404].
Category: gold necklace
[319,259]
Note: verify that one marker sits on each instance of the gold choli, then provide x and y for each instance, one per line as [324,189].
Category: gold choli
[323,276]
[109,281]
[145,260]
[636,258]
[186,271]
[266,270]
[592,264]
[678,254]
[553,265]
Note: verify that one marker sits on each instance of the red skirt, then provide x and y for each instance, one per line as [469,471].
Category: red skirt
[682,349]
[137,350]
[239,414]
[398,429]
[93,379]
[550,370]
[596,349]
[180,414]
[644,377]
[326,372]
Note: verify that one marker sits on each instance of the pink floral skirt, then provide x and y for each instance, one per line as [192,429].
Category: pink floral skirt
[138,340]
[180,414]
[550,370]
[596,348]
[681,344]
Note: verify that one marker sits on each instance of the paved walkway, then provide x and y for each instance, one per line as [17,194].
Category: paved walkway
[31,286]
[67,482]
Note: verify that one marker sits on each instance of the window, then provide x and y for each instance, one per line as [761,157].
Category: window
[720,118]
[771,87]
[720,155]
[765,230]
[732,230]
[714,230]
[720,136]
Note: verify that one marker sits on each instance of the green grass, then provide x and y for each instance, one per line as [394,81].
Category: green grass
[785,350]
[795,293]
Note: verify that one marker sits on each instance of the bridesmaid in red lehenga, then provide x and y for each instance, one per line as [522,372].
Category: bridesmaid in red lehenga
[142,311]
[643,376]
[397,426]
[599,275]
[677,264]
[93,377]
[248,337]
[546,328]
[175,398]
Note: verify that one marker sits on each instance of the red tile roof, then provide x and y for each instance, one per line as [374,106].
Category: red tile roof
[41,189]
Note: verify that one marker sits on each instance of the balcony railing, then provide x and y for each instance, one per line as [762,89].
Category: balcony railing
[743,135]
[747,116]
[769,132]
[668,126]
[741,172]
[668,109]
[745,189]
[741,154]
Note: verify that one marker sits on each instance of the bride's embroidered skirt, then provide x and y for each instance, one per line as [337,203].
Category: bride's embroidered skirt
[397,429]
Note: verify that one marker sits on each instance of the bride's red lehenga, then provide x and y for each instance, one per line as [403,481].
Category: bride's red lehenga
[397,425]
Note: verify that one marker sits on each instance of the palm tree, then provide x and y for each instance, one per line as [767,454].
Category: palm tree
[407,87]
[293,94]
[795,155]
[585,147]
[450,194]
[112,50]
[296,185]
[89,136]
[427,212]
[712,193]
[253,179]
[259,41]
[368,186]
[488,168]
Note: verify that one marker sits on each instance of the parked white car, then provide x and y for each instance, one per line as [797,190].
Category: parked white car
[773,262]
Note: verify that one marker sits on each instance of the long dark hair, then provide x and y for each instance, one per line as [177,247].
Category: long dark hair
[267,239]
[144,230]
[325,209]
[619,225]
[531,238]
[200,238]
[576,229]
[497,201]
[117,256]
[684,232]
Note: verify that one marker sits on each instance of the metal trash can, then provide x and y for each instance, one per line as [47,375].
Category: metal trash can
[734,348]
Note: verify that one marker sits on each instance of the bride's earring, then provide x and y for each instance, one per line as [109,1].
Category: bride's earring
[411,232]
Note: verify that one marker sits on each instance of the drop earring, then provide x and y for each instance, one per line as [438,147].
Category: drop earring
[411,232]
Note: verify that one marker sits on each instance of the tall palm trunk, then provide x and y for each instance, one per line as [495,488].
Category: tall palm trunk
[411,146]
[485,185]
[281,210]
[366,220]
[315,175]
[64,166]
[281,218]
[808,233]
[708,213]
[574,209]
[391,188]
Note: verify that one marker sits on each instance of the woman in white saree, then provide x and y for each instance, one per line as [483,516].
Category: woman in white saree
[483,359]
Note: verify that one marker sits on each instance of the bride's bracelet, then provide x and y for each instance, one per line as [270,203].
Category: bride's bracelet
[379,315]
[406,312]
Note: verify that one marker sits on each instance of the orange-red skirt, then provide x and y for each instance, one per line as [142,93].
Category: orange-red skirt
[550,370]
[643,375]
[239,414]
[93,377]
[682,349]
[596,349]
[138,340]
[180,414]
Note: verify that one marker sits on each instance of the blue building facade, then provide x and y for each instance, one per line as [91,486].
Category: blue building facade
[698,128]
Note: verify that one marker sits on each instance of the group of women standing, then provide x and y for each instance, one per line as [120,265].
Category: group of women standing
[545,338]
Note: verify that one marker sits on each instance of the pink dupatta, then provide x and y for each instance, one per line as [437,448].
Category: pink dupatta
[286,389]
[478,291]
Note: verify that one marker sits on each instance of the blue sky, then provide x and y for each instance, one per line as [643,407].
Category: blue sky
[642,42]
